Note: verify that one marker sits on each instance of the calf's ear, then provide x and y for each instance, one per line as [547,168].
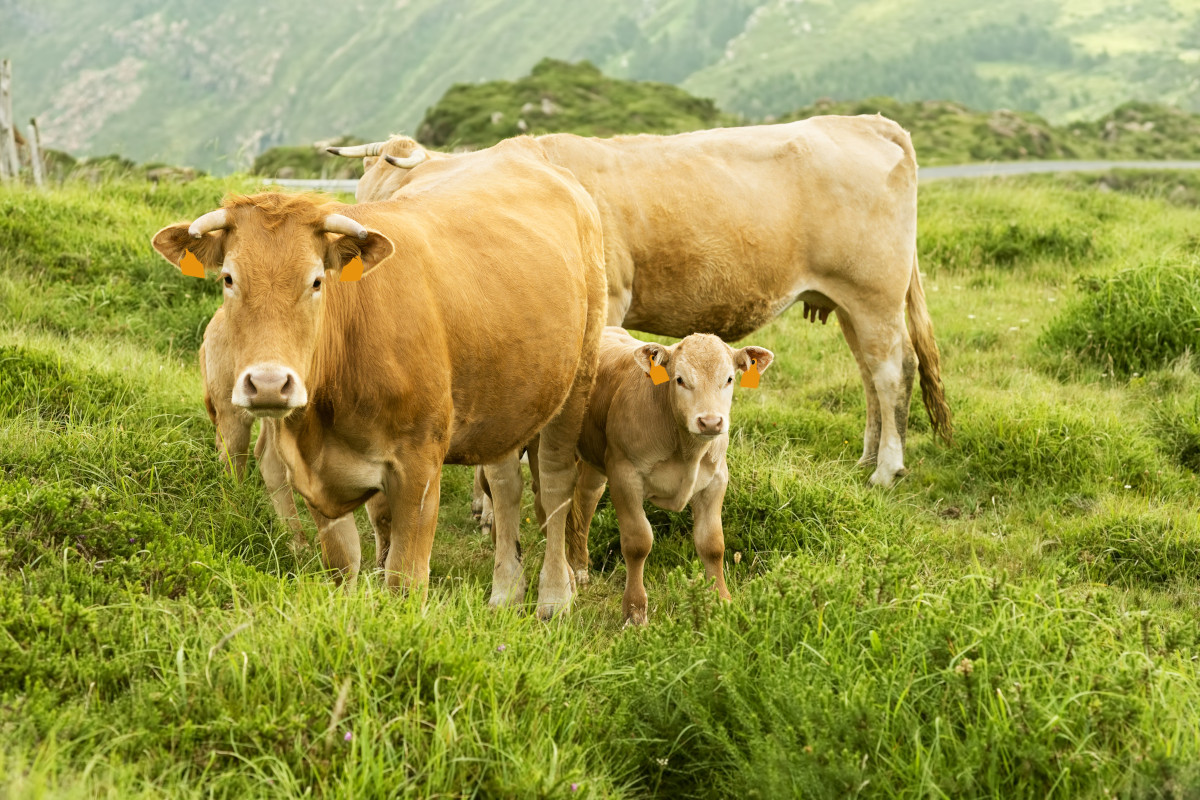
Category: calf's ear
[650,354]
[173,241]
[341,250]
[761,356]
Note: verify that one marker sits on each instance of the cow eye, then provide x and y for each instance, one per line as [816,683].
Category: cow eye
[679,381]
[317,284]
[229,281]
[729,381]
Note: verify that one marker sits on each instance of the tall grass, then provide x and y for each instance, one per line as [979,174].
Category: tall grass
[1015,619]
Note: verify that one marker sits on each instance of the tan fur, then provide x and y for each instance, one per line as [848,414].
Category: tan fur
[416,365]
[719,231]
[642,438]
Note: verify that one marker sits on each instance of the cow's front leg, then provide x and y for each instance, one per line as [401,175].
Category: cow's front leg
[637,537]
[414,491]
[708,533]
[505,483]
[274,474]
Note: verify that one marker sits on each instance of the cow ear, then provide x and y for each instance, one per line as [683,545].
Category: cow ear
[372,250]
[650,354]
[173,241]
[761,356]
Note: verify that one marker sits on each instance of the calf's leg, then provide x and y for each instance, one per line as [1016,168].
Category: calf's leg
[708,534]
[637,537]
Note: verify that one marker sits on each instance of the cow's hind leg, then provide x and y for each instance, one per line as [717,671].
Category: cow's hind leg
[379,511]
[588,492]
[341,550]
[889,356]
[506,485]
[874,420]
[274,475]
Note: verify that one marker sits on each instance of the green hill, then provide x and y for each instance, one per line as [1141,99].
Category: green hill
[213,85]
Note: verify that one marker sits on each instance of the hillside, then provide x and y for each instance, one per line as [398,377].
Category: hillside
[214,85]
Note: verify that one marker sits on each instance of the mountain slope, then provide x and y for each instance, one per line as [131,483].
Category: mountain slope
[215,84]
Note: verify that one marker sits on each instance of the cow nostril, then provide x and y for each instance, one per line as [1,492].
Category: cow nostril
[288,385]
[249,386]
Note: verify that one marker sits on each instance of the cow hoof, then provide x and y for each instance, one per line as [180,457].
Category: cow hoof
[636,618]
[866,461]
[581,577]
[886,478]
[507,597]
[508,587]
[555,595]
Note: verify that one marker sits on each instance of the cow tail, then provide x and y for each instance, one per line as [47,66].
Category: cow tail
[929,361]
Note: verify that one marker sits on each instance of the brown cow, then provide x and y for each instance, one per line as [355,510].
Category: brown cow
[479,331]
[663,442]
[720,231]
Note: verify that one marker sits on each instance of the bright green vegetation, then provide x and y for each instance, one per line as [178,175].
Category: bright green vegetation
[1015,619]
[557,96]
[186,84]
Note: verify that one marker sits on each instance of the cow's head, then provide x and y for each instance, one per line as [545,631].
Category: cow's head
[702,371]
[385,165]
[274,254]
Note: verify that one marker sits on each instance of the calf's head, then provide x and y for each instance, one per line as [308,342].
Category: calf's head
[702,370]
[274,254]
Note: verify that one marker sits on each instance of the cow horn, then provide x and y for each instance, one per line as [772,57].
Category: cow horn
[358,150]
[416,157]
[336,223]
[212,221]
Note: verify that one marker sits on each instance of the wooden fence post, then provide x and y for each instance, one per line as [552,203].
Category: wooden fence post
[9,166]
[35,151]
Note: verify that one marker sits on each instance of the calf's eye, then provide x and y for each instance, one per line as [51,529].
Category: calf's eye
[679,381]
[229,281]
[317,284]
[729,381]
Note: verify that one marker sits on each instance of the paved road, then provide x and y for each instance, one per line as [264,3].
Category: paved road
[982,170]
[993,170]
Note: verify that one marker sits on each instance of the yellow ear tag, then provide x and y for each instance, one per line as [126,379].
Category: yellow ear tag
[352,271]
[658,374]
[190,265]
[751,376]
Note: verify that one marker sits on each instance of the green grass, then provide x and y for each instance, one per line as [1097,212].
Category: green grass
[1015,619]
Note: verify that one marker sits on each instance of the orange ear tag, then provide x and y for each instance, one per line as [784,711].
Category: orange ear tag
[190,265]
[751,376]
[658,374]
[352,271]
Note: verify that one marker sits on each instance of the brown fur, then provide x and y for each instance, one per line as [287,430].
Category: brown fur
[720,231]
[643,438]
[416,365]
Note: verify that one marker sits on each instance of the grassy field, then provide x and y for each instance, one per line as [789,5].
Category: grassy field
[1016,619]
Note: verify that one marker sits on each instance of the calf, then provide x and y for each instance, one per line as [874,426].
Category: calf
[661,442]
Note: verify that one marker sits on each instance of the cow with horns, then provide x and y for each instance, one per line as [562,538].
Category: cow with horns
[719,231]
[375,384]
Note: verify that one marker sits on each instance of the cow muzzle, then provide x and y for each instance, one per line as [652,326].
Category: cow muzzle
[269,390]
[710,424]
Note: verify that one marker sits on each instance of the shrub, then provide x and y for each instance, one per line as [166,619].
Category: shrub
[1135,320]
